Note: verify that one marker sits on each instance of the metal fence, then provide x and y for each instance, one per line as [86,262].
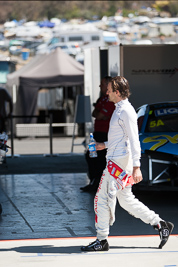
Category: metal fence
[38,129]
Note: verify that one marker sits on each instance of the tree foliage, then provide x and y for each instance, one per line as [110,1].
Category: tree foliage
[40,10]
[169,6]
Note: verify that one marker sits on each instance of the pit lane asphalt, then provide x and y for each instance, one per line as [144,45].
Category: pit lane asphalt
[46,218]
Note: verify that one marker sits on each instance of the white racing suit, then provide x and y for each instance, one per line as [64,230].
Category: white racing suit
[105,203]
[116,181]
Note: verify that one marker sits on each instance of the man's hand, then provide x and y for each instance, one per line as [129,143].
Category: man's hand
[100,146]
[137,175]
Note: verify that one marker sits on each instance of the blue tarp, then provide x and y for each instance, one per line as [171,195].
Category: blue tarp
[46,23]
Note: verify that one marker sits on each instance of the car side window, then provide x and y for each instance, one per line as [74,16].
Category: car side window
[163,120]
[140,116]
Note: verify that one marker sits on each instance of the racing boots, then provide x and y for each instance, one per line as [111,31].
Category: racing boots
[165,229]
[97,246]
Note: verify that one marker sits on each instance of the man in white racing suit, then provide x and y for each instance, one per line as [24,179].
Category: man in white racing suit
[122,171]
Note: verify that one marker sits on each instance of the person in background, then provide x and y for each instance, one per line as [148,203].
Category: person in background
[122,171]
[102,113]
[4,99]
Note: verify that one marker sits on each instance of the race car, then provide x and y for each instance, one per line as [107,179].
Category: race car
[158,134]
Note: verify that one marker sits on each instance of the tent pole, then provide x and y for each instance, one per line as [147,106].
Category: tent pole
[51,133]
[75,117]
[12,137]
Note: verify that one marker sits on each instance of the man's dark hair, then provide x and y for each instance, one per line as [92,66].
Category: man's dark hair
[108,78]
[122,85]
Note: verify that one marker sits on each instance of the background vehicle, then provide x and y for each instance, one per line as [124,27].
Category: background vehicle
[158,133]
[16,46]
[70,49]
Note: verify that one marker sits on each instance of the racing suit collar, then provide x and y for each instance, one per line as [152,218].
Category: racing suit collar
[120,103]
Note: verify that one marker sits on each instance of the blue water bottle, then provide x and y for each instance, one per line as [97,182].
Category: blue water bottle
[92,147]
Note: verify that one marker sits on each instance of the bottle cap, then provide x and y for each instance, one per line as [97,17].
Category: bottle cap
[91,135]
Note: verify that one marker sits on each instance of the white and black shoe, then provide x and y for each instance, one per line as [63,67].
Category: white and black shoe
[165,229]
[97,246]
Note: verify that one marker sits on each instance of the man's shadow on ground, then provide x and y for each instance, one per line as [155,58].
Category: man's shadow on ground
[49,249]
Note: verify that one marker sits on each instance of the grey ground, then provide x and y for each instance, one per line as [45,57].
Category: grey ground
[46,218]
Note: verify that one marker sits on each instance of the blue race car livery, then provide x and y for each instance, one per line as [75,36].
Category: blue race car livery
[158,127]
